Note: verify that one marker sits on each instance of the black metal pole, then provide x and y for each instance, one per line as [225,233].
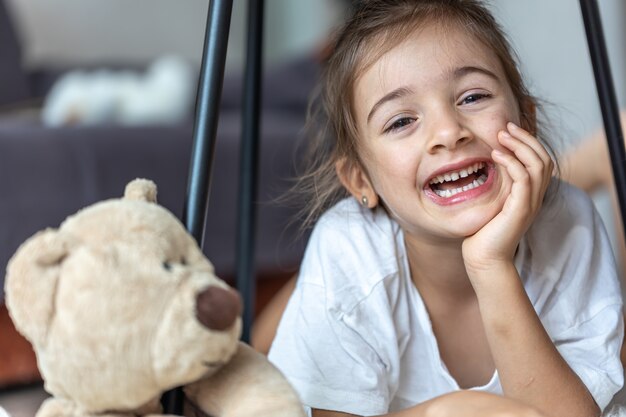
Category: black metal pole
[248,164]
[204,135]
[606,96]
[207,112]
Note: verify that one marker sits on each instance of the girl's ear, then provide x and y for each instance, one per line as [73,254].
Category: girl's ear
[356,181]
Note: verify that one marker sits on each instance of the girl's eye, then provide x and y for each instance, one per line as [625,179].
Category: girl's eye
[398,124]
[472,98]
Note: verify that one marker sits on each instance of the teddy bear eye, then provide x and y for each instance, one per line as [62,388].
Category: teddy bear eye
[167,266]
[183,261]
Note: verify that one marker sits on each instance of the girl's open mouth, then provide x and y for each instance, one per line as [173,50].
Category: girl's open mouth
[462,184]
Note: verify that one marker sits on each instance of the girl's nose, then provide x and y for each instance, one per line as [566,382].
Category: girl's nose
[447,131]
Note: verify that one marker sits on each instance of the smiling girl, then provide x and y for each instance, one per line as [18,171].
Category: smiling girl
[441,280]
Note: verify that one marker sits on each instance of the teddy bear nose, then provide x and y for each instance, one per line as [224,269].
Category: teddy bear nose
[218,308]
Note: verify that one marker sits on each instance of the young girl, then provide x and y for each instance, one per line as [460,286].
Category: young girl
[445,277]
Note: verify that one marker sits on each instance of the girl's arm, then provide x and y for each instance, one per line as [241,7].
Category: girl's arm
[577,169]
[588,166]
[265,325]
[460,403]
[530,367]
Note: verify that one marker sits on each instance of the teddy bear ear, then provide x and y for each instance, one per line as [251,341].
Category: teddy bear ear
[31,282]
[142,190]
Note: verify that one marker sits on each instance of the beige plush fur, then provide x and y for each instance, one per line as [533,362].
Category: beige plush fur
[120,305]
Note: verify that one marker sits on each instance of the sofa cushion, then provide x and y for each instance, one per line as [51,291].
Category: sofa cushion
[51,173]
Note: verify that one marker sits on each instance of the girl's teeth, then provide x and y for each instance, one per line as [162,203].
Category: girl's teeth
[453,176]
[449,193]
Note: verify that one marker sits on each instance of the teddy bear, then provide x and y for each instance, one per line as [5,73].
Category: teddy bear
[120,305]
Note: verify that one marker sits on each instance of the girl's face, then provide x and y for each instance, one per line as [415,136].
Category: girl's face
[428,113]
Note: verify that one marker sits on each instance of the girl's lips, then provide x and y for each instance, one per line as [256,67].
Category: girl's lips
[478,187]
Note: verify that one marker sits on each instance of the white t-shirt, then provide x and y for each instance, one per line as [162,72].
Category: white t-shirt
[356,336]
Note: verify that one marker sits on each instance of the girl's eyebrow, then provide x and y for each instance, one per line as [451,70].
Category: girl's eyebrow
[463,71]
[395,94]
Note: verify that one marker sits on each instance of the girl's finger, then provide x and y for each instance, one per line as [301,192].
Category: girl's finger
[539,174]
[525,153]
[529,140]
[522,182]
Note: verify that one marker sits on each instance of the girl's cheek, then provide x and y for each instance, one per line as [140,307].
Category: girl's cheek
[501,148]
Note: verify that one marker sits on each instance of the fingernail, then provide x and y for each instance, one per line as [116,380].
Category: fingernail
[511,125]
[505,134]
[498,153]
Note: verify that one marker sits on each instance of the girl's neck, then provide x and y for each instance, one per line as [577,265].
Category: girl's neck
[438,271]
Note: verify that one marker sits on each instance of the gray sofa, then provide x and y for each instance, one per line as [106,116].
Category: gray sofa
[47,174]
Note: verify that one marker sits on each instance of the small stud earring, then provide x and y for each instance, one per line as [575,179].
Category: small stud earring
[364,201]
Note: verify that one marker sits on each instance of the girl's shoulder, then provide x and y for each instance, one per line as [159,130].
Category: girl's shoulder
[348,228]
[351,251]
[566,205]
[566,248]
[566,261]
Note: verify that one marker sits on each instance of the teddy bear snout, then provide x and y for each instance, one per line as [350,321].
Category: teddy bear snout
[217,308]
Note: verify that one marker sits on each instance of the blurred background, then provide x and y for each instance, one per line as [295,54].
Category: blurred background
[75,32]
[548,36]
[94,94]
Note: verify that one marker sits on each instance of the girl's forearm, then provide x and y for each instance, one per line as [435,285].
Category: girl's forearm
[529,366]
[466,403]
[469,404]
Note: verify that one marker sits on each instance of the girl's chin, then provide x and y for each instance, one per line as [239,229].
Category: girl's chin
[472,220]
[472,224]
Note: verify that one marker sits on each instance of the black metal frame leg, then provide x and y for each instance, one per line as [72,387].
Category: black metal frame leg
[606,96]
[207,113]
[204,136]
[248,164]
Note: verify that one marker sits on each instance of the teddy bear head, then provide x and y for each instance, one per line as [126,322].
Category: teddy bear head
[120,304]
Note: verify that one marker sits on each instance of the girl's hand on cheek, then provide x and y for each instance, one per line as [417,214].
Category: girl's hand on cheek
[530,167]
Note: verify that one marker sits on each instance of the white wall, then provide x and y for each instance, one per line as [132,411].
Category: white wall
[69,32]
[77,31]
